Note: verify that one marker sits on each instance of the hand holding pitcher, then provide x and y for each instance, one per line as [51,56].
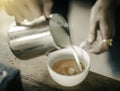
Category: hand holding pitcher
[27,9]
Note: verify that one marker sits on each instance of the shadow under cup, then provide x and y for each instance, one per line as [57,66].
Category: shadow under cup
[66,53]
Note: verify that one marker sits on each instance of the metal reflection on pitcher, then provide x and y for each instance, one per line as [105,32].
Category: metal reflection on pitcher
[31,39]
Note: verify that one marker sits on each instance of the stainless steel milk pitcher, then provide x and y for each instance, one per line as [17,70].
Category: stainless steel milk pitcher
[31,39]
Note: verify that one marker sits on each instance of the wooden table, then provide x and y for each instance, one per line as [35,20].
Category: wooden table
[93,82]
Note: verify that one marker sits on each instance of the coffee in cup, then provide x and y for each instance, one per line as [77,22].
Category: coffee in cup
[67,67]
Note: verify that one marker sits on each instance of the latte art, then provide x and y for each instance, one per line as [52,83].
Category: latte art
[67,67]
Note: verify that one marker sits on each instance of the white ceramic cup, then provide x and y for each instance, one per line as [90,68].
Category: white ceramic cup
[66,53]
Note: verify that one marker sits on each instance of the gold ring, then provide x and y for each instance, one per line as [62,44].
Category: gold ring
[108,41]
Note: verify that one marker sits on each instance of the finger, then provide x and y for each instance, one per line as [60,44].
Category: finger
[99,47]
[93,31]
[21,2]
[95,47]
[34,8]
[47,6]
[95,51]
[107,27]
[12,11]
[26,14]
[105,30]
[8,4]
[1,4]
[6,7]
